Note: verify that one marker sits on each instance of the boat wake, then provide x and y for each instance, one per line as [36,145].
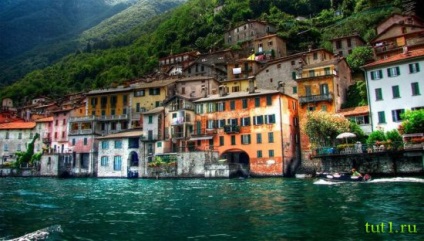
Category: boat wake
[324,182]
[397,179]
[378,180]
[41,234]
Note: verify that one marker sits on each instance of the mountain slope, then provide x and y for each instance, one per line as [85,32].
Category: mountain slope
[39,32]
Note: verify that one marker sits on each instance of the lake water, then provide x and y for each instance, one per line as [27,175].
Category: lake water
[224,209]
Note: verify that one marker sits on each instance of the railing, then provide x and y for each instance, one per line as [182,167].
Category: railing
[82,118]
[154,137]
[229,129]
[355,149]
[204,132]
[315,98]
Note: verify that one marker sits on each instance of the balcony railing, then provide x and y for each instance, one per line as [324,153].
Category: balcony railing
[358,149]
[204,132]
[315,98]
[154,137]
[230,129]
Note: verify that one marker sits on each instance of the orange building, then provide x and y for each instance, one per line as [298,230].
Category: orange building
[255,129]
[322,86]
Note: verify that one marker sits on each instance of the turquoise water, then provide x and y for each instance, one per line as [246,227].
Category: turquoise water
[197,209]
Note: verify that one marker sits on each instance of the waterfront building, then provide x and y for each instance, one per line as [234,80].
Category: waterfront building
[322,82]
[119,154]
[395,33]
[269,47]
[210,64]
[343,46]
[255,129]
[44,127]
[147,96]
[14,137]
[394,85]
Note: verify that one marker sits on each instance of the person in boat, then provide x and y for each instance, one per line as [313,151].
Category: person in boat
[355,173]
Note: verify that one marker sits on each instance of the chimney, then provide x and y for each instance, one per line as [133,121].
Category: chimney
[222,90]
[251,84]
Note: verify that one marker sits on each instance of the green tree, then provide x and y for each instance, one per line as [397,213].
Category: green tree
[356,95]
[322,127]
[359,57]
[376,136]
[413,121]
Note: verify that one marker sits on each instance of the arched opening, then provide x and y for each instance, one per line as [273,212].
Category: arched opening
[239,162]
[132,165]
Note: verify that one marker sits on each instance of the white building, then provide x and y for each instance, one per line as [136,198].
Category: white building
[394,85]
[119,154]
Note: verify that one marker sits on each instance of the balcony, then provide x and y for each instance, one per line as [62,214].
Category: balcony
[47,140]
[83,118]
[204,132]
[154,137]
[112,117]
[231,129]
[81,132]
[315,98]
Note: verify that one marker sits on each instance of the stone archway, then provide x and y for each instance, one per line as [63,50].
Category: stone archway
[132,164]
[238,161]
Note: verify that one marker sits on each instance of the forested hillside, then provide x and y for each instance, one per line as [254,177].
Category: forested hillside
[36,33]
[194,26]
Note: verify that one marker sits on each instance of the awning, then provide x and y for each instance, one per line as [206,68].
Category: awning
[200,138]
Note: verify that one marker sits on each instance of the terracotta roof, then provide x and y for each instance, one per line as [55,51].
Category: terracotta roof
[153,84]
[360,110]
[397,58]
[17,125]
[154,111]
[127,134]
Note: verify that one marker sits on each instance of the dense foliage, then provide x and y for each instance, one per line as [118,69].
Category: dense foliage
[356,95]
[323,127]
[194,26]
[413,121]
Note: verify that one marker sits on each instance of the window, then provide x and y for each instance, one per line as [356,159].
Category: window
[393,72]
[270,137]
[323,88]
[221,123]
[233,140]
[5,147]
[381,117]
[245,139]
[257,102]
[271,153]
[154,91]
[269,100]
[150,117]
[378,94]
[259,154]
[258,138]
[311,73]
[105,145]
[20,135]
[377,74]
[244,103]
[315,56]
[233,121]
[415,88]
[63,122]
[308,90]
[396,115]
[211,124]
[338,44]
[137,107]
[159,144]
[221,106]
[232,105]
[235,88]
[258,120]
[7,135]
[245,121]
[221,141]
[199,109]
[117,162]
[311,108]
[270,119]
[327,71]
[19,147]
[395,90]
[294,90]
[133,142]
[414,68]
[73,141]
[104,161]
[118,144]
[211,107]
